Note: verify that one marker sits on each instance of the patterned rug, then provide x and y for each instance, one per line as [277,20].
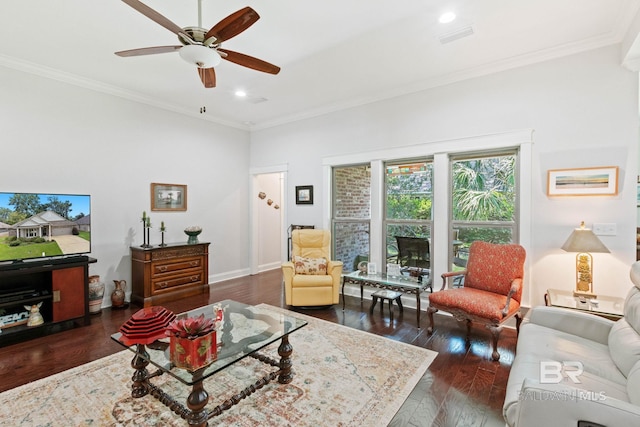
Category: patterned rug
[343,377]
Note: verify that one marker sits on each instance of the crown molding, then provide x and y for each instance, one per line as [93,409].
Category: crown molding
[75,80]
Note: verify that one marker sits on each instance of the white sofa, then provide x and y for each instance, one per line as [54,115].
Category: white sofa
[605,393]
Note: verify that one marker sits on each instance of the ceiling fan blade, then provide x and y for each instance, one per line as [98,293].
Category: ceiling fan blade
[208,77]
[233,25]
[155,16]
[249,61]
[148,51]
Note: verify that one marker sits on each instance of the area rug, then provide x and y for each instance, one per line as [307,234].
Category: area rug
[343,377]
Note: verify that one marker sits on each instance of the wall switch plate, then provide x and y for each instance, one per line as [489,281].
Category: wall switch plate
[605,229]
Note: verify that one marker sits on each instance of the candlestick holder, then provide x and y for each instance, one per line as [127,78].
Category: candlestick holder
[162,244]
[145,233]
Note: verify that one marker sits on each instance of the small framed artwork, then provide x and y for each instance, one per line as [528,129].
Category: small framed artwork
[372,268]
[304,194]
[599,181]
[168,197]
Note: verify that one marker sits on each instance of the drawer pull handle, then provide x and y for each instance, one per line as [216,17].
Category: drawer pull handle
[194,278]
[162,268]
[163,284]
[194,263]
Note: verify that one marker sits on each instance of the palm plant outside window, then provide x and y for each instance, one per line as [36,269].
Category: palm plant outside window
[483,201]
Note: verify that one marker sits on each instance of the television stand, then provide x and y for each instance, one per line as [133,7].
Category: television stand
[62,288]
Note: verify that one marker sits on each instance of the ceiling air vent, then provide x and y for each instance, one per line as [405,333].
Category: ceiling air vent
[257,100]
[455,35]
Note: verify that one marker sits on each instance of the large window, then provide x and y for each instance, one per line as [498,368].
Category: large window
[408,203]
[351,214]
[484,196]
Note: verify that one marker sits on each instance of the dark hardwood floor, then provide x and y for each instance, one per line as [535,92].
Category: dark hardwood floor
[462,387]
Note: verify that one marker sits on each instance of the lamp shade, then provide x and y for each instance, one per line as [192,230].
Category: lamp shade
[584,240]
[201,56]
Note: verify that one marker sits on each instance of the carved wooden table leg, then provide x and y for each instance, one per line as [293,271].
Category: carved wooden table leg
[140,377]
[284,350]
[196,402]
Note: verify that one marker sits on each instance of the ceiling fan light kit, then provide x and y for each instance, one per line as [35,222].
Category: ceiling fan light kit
[200,56]
[202,48]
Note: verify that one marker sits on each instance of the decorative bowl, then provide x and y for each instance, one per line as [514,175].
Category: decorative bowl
[193,233]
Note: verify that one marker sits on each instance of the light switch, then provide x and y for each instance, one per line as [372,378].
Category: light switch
[605,229]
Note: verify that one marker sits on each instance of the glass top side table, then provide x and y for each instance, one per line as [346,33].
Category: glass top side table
[605,306]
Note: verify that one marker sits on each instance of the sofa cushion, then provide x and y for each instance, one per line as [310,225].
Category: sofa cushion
[311,266]
[624,346]
[538,343]
[632,308]
[550,344]
[633,384]
[624,340]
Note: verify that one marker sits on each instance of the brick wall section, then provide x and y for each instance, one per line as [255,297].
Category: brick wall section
[352,197]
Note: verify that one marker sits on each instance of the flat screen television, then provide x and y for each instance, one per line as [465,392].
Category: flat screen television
[43,225]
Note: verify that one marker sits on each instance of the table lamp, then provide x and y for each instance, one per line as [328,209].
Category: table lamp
[583,241]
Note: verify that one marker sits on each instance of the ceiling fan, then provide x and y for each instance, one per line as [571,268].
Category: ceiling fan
[202,47]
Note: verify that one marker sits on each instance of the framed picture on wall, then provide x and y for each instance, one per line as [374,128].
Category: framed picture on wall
[598,181]
[168,197]
[304,194]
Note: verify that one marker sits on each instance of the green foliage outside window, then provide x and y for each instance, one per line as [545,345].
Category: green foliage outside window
[484,189]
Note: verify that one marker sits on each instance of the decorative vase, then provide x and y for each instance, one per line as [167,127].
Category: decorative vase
[96,293]
[193,354]
[117,297]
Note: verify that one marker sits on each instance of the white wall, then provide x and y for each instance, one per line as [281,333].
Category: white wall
[584,112]
[59,138]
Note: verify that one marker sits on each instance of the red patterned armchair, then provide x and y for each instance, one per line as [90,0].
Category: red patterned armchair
[491,293]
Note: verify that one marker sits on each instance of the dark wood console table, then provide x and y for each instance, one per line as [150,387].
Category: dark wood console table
[165,273]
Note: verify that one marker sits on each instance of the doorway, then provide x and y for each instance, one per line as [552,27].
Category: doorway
[268,202]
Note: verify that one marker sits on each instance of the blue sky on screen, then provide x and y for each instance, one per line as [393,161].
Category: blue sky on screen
[79,203]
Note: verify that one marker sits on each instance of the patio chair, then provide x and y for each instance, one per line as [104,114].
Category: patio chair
[413,252]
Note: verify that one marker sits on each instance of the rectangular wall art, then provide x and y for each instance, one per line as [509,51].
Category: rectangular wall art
[168,197]
[598,181]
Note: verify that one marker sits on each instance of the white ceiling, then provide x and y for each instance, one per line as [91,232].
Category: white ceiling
[333,53]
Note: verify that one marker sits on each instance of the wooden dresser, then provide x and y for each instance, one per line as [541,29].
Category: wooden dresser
[161,274]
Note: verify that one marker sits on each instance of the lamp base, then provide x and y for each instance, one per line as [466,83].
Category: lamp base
[590,295]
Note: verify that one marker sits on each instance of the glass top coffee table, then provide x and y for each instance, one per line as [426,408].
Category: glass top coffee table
[407,285]
[246,330]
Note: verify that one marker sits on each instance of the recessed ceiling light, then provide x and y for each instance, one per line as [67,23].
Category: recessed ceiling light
[241,93]
[447,17]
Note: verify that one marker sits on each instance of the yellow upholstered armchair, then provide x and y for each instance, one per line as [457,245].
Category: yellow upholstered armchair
[311,278]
